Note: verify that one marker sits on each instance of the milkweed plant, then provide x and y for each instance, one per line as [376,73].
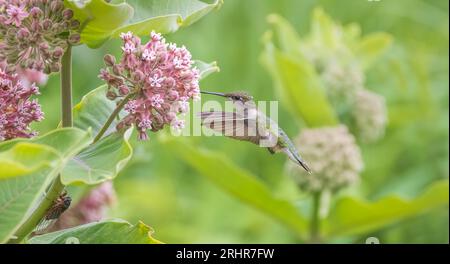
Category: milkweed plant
[148,87]
[144,90]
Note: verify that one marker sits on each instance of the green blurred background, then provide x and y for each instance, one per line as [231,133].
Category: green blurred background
[184,207]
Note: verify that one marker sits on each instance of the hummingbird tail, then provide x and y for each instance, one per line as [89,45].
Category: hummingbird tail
[305,166]
[297,159]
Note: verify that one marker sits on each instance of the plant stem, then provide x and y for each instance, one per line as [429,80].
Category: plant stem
[112,116]
[56,186]
[66,88]
[315,219]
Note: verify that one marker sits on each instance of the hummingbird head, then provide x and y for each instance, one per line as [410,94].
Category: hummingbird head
[234,96]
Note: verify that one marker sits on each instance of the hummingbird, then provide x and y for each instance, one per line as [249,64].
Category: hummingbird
[249,124]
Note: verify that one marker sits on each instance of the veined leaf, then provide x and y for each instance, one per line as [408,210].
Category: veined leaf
[99,162]
[352,216]
[104,159]
[26,168]
[101,20]
[239,183]
[115,231]
[165,16]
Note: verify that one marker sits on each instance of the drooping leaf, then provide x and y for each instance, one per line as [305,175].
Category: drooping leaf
[99,162]
[102,20]
[26,168]
[104,159]
[352,216]
[99,19]
[165,16]
[115,231]
[239,183]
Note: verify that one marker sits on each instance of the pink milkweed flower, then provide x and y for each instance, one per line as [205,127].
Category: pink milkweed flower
[159,76]
[17,109]
[34,34]
[16,14]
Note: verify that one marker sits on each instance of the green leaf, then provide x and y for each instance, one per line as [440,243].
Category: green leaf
[206,68]
[115,231]
[324,30]
[99,162]
[238,182]
[165,16]
[93,110]
[104,159]
[24,158]
[99,19]
[299,87]
[372,46]
[286,37]
[102,20]
[352,216]
[26,168]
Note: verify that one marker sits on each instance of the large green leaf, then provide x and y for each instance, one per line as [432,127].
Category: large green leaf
[93,110]
[115,231]
[99,162]
[26,168]
[238,182]
[102,20]
[352,216]
[104,159]
[165,16]
[99,19]
[299,87]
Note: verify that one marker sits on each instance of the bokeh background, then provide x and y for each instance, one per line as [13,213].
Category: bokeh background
[185,207]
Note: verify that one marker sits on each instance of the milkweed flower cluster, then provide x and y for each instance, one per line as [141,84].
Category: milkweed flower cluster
[17,109]
[27,76]
[333,156]
[159,77]
[370,115]
[342,81]
[34,34]
[90,208]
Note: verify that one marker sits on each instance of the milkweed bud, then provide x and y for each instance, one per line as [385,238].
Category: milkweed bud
[109,60]
[41,26]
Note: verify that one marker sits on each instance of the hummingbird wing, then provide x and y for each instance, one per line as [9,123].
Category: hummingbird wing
[233,125]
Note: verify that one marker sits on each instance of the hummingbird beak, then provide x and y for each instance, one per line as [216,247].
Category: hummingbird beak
[213,93]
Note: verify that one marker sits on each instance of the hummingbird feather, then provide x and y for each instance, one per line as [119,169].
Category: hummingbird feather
[232,125]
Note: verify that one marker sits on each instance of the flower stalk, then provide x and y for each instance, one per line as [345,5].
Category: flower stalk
[111,118]
[56,186]
[315,218]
